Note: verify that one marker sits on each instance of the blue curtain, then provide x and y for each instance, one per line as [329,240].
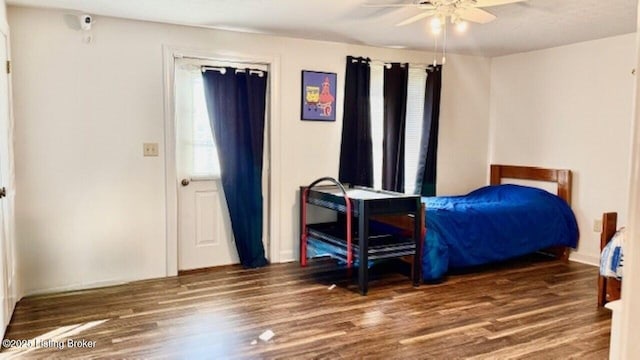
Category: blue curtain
[236,105]
[356,154]
[426,179]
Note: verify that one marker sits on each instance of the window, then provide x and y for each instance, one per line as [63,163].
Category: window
[205,153]
[377,121]
[197,149]
[413,129]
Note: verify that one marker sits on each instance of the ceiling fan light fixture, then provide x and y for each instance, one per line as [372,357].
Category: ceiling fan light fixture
[436,23]
[462,26]
[458,12]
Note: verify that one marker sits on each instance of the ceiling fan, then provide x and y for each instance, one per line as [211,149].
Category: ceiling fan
[457,11]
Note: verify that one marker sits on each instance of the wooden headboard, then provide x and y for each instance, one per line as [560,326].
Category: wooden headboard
[561,177]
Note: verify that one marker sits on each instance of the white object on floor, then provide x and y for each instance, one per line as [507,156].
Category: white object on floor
[616,318]
[266,336]
[254,342]
[332,287]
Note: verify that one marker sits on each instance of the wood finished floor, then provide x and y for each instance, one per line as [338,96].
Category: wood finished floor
[530,308]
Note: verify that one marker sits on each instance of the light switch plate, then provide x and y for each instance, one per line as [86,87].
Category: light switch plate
[597,225]
[150,149]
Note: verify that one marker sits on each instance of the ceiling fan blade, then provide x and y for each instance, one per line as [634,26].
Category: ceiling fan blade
[476,15]
[421,4]
[418,17]
[388,5]
[489,3]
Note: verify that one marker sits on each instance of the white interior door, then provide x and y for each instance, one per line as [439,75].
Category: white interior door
[205,237]
[8,291]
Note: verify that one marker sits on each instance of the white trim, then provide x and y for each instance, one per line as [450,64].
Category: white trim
[12,290]
[171,178]
[4,28]
[585,259]
[170,53]
[4,23]
[287,256]
[80,287]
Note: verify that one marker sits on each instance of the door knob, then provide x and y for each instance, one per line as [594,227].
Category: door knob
[3,192]
[184,182]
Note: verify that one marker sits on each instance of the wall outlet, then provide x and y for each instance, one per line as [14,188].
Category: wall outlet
[597,225]
[150,149]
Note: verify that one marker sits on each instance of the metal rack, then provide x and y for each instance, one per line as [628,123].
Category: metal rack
[365,243]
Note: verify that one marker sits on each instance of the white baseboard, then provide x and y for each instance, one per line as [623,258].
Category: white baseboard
[287,256]
[585,259]
[76,287]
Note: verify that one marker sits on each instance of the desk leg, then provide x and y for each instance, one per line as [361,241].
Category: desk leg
[417,257]
[363,242]
[303,227]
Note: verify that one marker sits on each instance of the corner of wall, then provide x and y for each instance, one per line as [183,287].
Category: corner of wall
[492,121]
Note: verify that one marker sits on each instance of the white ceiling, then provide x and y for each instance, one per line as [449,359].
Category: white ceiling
[535,24]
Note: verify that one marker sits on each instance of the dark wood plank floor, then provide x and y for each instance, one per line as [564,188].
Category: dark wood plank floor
[530,308]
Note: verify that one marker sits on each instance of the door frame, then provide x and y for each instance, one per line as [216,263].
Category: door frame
[170,53]
[14,287]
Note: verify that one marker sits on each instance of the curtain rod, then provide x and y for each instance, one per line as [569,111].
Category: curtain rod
[222,70]
[229,60]
[388,63]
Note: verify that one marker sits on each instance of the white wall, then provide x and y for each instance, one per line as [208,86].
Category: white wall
[628,328]
[570,107]
[463,163]
[90,208]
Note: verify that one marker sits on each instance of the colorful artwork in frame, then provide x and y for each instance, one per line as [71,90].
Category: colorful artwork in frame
[319,96]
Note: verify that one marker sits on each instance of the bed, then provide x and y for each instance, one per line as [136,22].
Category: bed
[498,222]
[608,287]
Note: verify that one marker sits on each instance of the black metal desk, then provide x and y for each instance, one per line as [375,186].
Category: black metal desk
[362,244]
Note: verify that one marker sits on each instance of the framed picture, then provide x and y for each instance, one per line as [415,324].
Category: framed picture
[318,96]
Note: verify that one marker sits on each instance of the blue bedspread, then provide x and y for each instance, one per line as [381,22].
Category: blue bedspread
[493,223]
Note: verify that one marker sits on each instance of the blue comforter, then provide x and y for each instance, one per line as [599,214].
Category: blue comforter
[493,223]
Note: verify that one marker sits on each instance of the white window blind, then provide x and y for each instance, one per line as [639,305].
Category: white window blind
[377,121]
[413,130]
